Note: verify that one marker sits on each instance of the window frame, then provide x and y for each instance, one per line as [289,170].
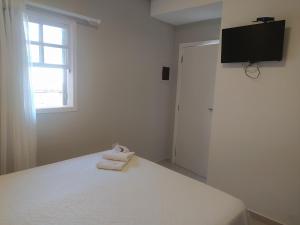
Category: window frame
[45,18]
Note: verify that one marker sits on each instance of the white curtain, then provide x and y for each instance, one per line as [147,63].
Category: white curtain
[17,124]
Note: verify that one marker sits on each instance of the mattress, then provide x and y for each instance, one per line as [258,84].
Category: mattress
[75,192]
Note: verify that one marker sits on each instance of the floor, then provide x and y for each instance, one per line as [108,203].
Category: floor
[168,164]
[253,221]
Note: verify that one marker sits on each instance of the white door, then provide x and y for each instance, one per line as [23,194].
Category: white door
[195,106]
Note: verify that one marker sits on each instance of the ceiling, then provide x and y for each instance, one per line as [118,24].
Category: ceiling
[190,15]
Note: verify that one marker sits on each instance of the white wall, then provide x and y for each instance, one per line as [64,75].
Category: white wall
[120,93]
[195,32]
[255,146]
[165,6]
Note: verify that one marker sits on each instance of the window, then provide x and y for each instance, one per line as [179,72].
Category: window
[52,74]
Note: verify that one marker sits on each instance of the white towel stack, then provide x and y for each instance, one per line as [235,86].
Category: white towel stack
[116,158]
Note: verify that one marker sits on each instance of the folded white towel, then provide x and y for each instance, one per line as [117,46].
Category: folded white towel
[120,148]
[117,156]
[110,165]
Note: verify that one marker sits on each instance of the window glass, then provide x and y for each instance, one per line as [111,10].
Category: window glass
[34,54]
[54,56]
[45,100]
[50,78]
[47,79]
[53,35]
[34,34]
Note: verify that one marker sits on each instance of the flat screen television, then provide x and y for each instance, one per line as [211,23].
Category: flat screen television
[253,43]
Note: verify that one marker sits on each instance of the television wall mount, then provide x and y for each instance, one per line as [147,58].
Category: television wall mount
[264,19]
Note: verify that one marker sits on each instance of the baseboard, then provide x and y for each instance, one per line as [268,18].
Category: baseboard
[262,218]
[162,160]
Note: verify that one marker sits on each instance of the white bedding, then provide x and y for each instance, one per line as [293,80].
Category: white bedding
[75,192]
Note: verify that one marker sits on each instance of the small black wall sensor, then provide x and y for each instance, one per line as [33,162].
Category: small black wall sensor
[166,73]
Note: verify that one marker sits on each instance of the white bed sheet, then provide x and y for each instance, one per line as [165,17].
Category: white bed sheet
[75,192]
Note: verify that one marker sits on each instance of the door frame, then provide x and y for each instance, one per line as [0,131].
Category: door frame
[182,46]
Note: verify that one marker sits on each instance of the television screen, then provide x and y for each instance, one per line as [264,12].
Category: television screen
[253,43]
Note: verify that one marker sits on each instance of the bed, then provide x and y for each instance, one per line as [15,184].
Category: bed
[75,192]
